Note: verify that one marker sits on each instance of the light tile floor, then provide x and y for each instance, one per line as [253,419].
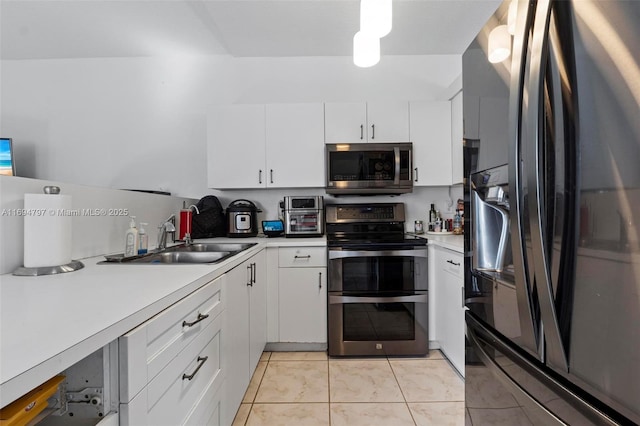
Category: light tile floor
[308,388]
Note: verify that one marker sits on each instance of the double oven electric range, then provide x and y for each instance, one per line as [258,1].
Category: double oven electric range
[377,292]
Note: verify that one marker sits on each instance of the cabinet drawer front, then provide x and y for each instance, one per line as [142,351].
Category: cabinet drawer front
[171,396]
[451,262]
[299,257]
[148,348]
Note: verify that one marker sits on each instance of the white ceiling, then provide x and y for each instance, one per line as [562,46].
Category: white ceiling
[128,28]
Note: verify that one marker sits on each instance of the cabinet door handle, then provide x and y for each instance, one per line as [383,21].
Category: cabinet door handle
[319,279]
[361,131]
[271,175]
[453,263]
[373,131]
[416,177]
[201,360]
[260,176]
[250,269]
[253,273]
[201,317]
[302,257]
[463,296]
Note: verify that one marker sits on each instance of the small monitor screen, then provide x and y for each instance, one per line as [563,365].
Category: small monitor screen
[7,165]
[272,226]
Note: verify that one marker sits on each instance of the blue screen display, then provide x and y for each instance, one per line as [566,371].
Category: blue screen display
[6,158]
[272,226]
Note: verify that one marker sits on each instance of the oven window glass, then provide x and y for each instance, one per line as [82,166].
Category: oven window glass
[378,274]
[362,165]
[303,222]
[378,321]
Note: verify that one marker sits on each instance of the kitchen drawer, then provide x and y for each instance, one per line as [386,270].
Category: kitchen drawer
[148,348]
[301,257]
[171,398]
[450,261]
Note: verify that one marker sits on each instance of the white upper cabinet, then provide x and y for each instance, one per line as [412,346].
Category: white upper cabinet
[295,145]
[366,122]
[236,147]
[456,139]
[431,137]
[388,121]
[266,146]
[345,122]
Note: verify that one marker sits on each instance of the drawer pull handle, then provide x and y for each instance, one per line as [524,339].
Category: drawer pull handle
[302,257]
[201,317]
[453,263]
[201,360]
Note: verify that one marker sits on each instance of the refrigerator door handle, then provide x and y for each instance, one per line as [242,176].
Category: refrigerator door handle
[555,350]
[528,338]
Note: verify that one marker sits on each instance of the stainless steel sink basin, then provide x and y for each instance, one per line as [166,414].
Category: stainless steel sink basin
[213,247]
[184,257]
[193,253]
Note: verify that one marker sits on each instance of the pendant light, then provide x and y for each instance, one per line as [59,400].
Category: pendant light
[366,49]
[375,17]
[499,44]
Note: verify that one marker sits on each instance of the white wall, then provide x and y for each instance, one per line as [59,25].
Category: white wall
[140,122]
[91,235]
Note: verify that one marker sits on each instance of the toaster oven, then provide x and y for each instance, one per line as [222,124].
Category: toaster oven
[303,216]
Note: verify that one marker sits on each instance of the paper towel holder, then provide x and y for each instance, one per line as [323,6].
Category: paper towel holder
[74,265]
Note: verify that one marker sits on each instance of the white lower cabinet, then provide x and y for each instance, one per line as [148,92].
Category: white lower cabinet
[171,369]
[246,328]
[448,276]
[302,295]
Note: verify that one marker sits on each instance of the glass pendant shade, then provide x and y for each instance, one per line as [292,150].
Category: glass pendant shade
[375,17]
[499,44]
[366,49]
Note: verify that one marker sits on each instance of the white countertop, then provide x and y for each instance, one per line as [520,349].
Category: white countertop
[448,241]
[49,323]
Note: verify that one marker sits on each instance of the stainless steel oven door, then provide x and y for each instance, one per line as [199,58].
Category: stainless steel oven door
[383,271]
[378,325]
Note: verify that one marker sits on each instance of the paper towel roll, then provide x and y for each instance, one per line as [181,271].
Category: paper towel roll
[47,230]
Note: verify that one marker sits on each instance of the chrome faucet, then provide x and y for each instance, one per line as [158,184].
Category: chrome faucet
[165,228]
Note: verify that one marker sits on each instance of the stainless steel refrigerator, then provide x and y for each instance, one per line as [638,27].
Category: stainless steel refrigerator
[552,193]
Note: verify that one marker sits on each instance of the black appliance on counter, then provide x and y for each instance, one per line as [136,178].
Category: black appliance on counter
[377,282]
[553,321]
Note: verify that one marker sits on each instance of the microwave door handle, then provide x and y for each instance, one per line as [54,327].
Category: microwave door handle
[396,155]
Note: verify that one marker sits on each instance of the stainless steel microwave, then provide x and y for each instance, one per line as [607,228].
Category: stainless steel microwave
[369,168]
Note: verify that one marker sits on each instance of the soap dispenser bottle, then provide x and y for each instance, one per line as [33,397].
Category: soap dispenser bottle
[144,239]
[131,239]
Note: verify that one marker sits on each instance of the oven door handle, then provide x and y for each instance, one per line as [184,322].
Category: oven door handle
[341,254]
[418,298]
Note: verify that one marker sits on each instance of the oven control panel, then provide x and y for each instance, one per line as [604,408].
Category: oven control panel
[378,212]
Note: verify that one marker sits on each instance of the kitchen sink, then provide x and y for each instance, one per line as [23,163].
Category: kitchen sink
[193,253]
[184,257]
[212,247]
